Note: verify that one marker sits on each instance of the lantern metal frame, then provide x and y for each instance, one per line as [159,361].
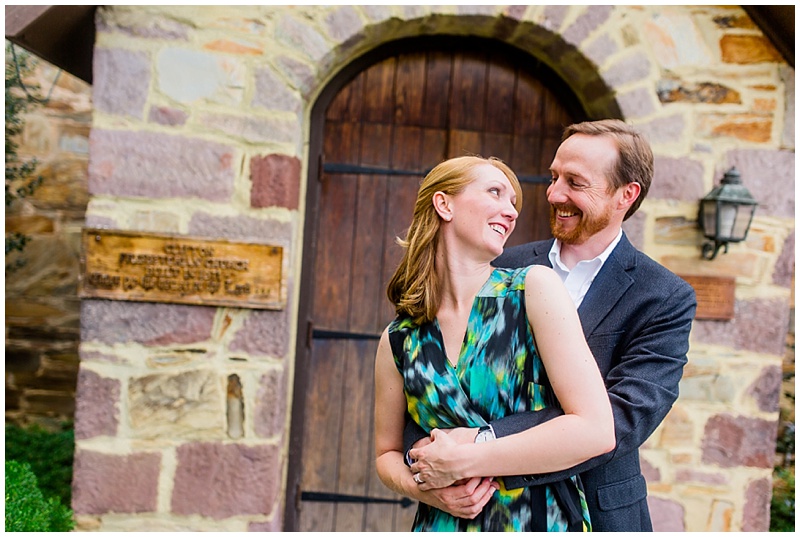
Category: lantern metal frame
[723,212]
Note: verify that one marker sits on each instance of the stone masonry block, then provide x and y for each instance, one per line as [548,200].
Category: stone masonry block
[586,23]
[263,333]
[110,322]
[342,23]
[601,49]
[766,389]
[276,181]
[273,93]
[667,129]
[677,40]
[189,76]
[270,412]
[758,326]
[154,165]
[748,49]
[242,228]
[121,81]
[666,515]
[783,274]
[769,175]
[222,481]
[629,69]
[301,37]
[677,179]
[142,26]
[731,441]
[787,76]
[96,405]
[183,405]
[105,483]
[757,506]
[636,103]
[720,516]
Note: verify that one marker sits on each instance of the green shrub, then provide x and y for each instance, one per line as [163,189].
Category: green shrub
[782,508]
[49,455]
[26,507]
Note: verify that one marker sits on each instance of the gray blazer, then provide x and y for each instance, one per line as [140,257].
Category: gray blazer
[636,317]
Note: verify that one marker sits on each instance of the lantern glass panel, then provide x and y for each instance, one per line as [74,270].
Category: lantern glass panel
[728,215]
[743,218]
[710,218]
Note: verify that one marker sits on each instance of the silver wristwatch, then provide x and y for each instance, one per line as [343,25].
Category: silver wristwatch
[485,434]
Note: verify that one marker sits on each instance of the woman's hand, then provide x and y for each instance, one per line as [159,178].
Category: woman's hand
[436,465]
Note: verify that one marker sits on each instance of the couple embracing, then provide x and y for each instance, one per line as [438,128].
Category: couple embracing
[514,388]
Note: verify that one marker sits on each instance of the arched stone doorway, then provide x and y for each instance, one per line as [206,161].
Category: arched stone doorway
[376,129]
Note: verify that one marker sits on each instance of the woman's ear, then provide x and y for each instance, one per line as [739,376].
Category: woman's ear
[441,202]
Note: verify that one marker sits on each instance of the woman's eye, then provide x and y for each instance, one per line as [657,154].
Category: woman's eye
[494,191]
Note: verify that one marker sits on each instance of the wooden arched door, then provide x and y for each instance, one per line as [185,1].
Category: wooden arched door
[403,111]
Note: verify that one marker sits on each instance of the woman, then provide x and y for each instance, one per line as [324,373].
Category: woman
[461,353]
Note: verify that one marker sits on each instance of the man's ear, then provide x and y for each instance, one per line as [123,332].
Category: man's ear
[441,202]
[630,193]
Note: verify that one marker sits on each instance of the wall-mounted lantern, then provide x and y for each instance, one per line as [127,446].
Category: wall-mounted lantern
[726,213]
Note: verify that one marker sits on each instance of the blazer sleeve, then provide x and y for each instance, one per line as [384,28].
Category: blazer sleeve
[642,383]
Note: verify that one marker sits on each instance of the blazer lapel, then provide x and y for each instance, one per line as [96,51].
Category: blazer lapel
[609,285]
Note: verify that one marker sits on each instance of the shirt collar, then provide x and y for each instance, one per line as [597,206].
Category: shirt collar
[555,254]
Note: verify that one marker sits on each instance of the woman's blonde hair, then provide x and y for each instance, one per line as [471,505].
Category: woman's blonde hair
[414,289]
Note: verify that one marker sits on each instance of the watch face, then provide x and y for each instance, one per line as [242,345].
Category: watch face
[483,436]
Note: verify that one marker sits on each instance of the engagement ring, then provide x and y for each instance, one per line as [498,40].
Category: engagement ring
[418,479]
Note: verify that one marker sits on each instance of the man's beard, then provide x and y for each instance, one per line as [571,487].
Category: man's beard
[580,233]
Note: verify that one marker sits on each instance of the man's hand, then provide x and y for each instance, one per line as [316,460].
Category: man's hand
[465,499]
[433,464]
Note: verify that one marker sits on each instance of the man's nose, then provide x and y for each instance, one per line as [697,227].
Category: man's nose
[556,192]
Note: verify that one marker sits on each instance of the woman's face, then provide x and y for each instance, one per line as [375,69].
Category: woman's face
[483,214]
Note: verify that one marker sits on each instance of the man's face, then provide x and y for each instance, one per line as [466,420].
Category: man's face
[581,201]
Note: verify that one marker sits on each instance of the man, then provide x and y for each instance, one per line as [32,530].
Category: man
[636,315]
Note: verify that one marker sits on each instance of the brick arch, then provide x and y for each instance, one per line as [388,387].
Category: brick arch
[563,51]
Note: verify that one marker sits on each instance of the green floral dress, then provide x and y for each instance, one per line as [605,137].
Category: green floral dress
[498,373]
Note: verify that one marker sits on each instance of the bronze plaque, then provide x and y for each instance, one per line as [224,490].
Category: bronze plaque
[121,265]
[715,296]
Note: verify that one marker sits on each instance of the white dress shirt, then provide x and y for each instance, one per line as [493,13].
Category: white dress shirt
[582,275]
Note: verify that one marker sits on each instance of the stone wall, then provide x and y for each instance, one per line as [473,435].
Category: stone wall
[198,110]
[41,305]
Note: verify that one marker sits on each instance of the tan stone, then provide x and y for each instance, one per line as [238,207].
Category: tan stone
[28,224]
[764,105]
[720,516]
[746,49]
[232,47]
[677,428]
[750,131]
[187,405]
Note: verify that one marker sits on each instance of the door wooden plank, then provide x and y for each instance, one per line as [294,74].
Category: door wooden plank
[468,102]
[379,92]
[410,89]
[501,86]
[463,142]
[355,447]
[348,103]
[528,105]
[322,425]
[335,227]
[438,83]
